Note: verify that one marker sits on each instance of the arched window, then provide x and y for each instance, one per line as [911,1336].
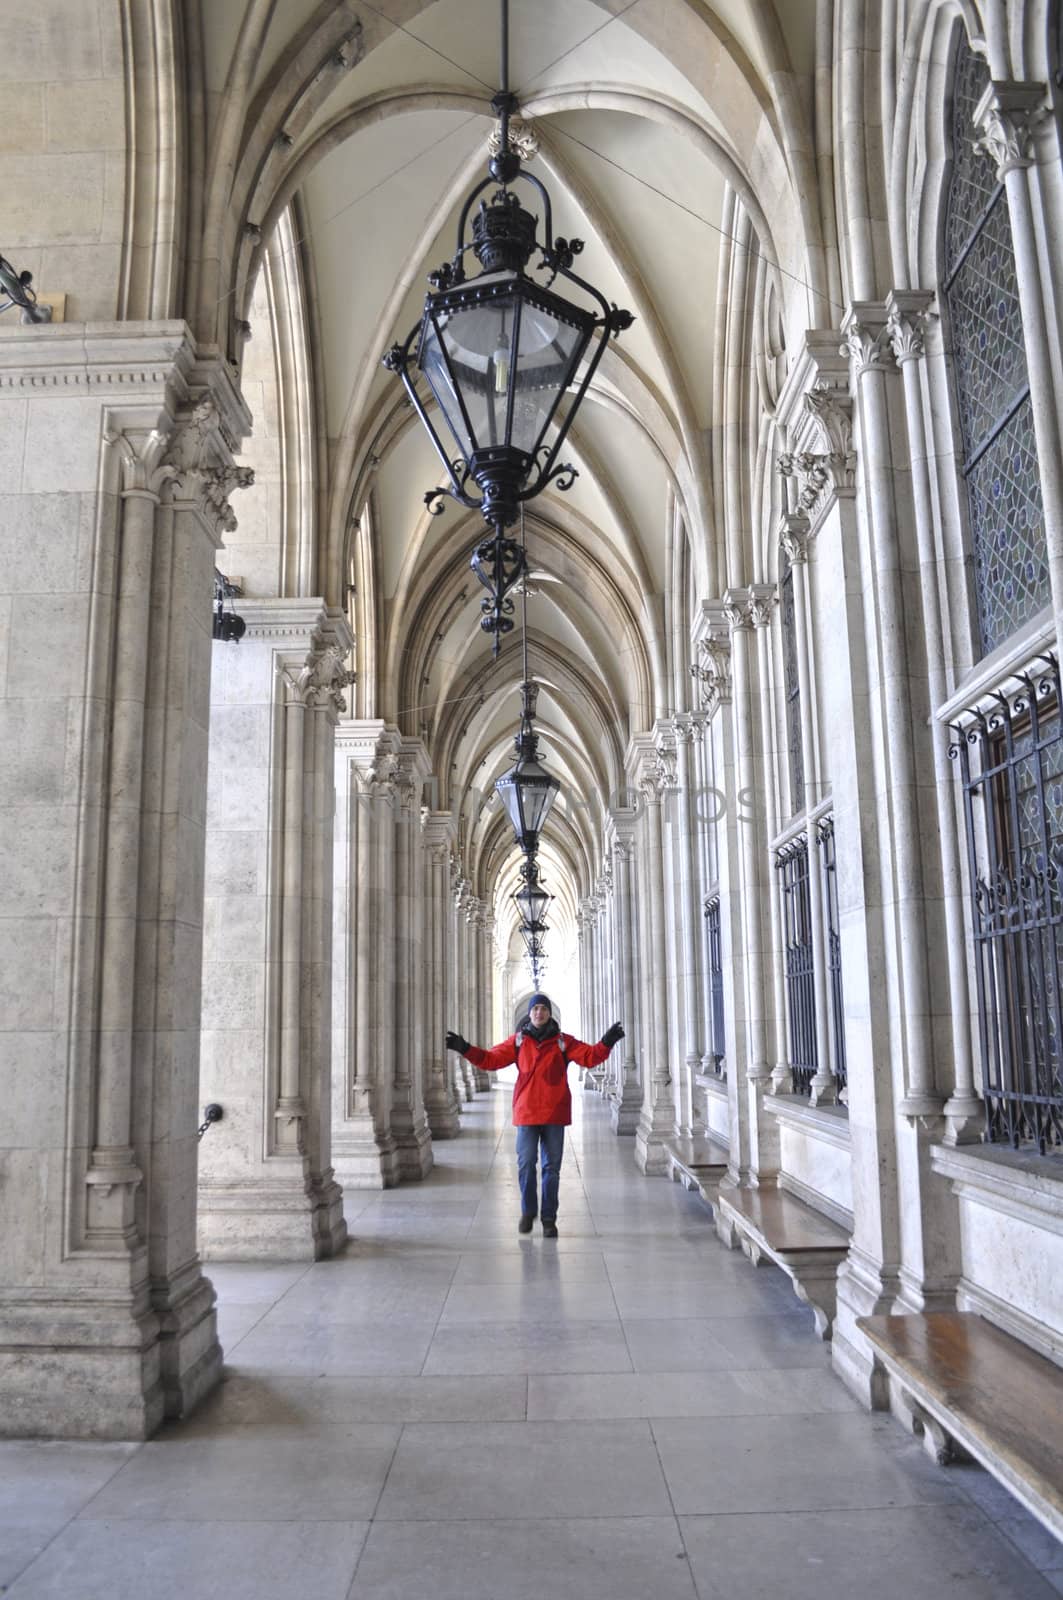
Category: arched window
[992,386]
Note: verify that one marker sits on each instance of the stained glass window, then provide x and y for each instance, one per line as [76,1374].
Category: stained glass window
[992,385]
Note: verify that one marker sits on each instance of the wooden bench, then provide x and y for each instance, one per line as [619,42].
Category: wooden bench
[808,1246]
[698,1163]
[966,1383]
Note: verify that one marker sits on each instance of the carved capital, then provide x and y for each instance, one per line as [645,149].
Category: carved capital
[738,610]
[323,676]
[1007,116]
[200,455]
[908,313]
[713,671]
[762,601]
[866,340]
[794,537]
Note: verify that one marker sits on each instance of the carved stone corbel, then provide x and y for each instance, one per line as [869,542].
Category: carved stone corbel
[1008,114]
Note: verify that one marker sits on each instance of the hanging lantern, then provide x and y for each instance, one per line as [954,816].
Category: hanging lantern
[497,352]
[527,789]
[532,900]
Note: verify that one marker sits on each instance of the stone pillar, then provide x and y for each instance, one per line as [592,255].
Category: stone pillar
[746,610]
[409,1125]
[691,963]
[908,316]
[461,1018]
[628,1103]
[364,1151]
[266,1187]
[716,805]
[654,775]
[118,467]
[1012,116]
[442,1104]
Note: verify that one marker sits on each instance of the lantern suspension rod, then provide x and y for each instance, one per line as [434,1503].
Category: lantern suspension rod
[524,594]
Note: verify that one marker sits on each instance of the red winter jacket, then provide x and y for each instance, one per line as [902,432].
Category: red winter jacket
[542,1093]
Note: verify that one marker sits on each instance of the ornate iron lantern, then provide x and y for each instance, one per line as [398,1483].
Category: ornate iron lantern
[527,790]
[532,899]
[497,352]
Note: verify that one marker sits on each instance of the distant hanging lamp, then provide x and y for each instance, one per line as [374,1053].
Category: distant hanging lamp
[527,790]
[532,899]
[498,352]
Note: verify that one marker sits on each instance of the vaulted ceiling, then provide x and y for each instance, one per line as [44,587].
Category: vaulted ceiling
[363,127]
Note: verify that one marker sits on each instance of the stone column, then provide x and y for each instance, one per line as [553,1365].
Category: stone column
[363,1146]
[266,1186]
[1010,115]
[654,775]
[712,672]
[477,1008]
[442,1105]
[908,316]
[461,1018]
[409,1125]
[747,609]
[628,1103]
[689,968]
[117,472]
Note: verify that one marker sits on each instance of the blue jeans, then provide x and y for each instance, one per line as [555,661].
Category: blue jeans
[551,1136]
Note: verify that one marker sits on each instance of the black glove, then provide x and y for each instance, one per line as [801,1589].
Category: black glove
[611,1035]
[456,1042]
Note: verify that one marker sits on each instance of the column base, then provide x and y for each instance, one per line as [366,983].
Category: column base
[863,1291]
[442,1112]
[276,1218]
[363,1160]
[90,1368]
[654,1128]
[481,1080]
[414,1153]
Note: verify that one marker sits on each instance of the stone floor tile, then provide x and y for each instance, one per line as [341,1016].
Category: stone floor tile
[1040,1547]
[528,1469]
[20,1546]
[944,1552]
[695,1344]
[361,1297]
[324,1474]
[530,1347]
[796,1463]
[239,1283]
[334,1349]
[633,1558]
[533,1302]
[43,1483]
[289,1404]
[685,1394]
[681,1298]
[196,1561]
[531,1266]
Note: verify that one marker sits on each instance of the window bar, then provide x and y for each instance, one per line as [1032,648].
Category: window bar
[825,835]
[1017,905]
[792,864]
[715,955]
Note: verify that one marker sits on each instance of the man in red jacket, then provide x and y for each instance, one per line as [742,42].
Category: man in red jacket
[542,1104]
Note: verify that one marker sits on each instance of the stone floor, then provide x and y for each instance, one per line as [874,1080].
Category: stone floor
[451,1410]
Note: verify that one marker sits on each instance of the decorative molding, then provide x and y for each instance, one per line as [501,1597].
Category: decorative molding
[824,475]
[523,138]
[324,676]
[1008,113]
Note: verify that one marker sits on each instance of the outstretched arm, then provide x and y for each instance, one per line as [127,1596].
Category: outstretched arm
[502,1055]
[592,1055]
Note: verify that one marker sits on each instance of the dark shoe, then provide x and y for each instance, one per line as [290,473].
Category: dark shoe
[549,1230]
[525,1224]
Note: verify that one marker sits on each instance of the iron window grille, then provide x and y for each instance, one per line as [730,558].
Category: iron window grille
[793,689]
[1011,765]
[715,957]
[1000,467]
[825,837]
[791,862]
